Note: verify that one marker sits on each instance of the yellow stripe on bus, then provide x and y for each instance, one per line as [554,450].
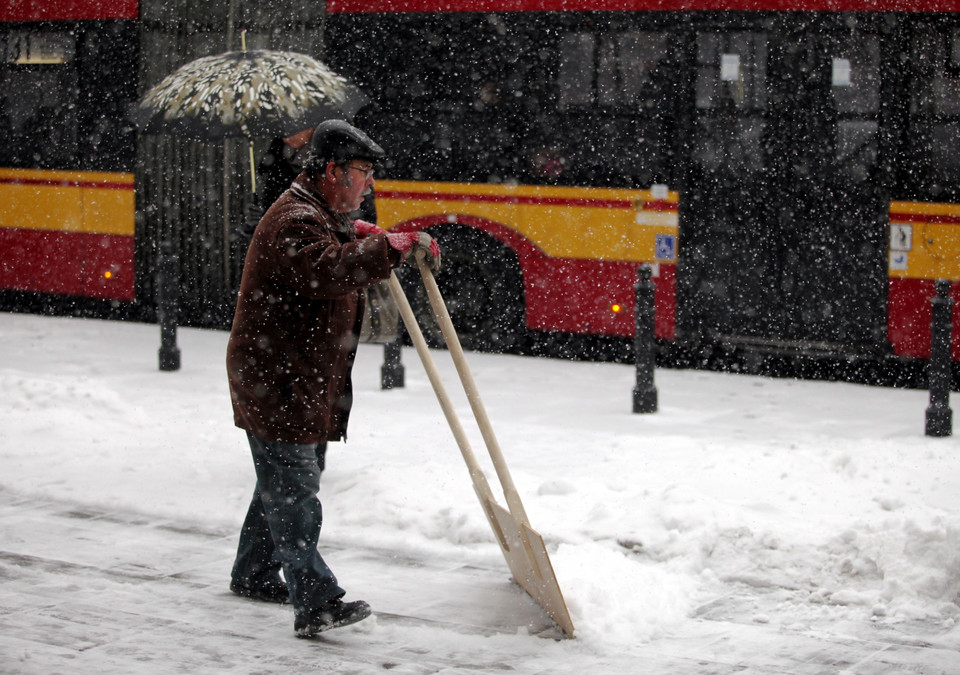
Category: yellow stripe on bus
[564,222]
[924,241]
[94,202]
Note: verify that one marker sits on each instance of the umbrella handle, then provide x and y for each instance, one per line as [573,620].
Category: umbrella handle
[253,171]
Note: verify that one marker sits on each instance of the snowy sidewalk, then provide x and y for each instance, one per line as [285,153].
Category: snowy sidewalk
[91,591]
[752,525]
[88,591]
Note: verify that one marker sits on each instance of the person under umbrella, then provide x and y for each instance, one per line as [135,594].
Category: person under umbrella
[280,164]
[289,358]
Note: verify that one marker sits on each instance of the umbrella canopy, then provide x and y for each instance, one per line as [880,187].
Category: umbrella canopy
[256,93]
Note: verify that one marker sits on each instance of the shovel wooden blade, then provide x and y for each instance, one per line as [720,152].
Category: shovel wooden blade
[526,555]
[522,546]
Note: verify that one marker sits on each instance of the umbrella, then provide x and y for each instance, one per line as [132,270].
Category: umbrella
[247,93]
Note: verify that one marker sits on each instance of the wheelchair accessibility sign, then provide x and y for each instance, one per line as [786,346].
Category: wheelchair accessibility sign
[665,247]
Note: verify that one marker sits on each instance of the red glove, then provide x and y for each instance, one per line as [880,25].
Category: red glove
[409,242]
[363,228]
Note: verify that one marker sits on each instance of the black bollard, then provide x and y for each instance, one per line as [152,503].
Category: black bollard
[168,299]
[391,372]
[939,415]
[644,393]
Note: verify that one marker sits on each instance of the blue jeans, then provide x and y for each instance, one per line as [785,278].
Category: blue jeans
[283,524]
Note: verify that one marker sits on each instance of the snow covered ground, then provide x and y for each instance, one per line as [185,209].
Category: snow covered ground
[751,525]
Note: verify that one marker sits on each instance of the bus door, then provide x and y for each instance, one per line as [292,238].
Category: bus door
[782,220]
[925,211]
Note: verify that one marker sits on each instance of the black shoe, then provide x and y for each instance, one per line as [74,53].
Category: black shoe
[271,591]
[331,614]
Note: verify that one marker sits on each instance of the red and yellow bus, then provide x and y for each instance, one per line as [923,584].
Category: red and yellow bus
[67,232]
[924,247]
[577,250]
[67,208]
[763,156]
[789,170]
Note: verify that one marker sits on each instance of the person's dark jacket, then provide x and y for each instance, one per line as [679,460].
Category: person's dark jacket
[277,169]
[297,322]
[275,172]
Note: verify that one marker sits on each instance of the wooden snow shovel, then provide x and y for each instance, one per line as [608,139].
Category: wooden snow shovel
[522,546]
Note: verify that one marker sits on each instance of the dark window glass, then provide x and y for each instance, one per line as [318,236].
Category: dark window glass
[732,70]
[612,70]
[615,92]
[575,79]
[933,163]
[81,81]
[855,86]
[856,75]
[731,98]
[39,129]
[518,97]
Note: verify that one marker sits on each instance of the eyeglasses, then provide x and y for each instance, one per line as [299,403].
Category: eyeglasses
[367,172]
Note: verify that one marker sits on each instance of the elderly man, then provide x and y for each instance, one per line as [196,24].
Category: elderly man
[289,357]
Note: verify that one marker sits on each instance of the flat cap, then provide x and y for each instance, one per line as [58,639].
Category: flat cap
[338,141]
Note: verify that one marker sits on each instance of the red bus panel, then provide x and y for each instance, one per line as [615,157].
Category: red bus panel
[67,263]
[374,6]
[910,316]
[67,10]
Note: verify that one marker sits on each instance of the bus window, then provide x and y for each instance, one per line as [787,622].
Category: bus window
[934,135]
[575,78]
[856,95]
[40,129]
[453,112]
[613,103]
[616,70]
[731,99]
[856,81]
[78,77]
[732,70]
[637,72]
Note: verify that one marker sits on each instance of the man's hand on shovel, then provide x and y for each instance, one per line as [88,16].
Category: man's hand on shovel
[408,243]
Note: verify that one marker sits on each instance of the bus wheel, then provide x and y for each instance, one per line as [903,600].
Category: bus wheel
[482,286]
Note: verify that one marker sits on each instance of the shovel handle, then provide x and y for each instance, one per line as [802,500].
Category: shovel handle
[531,568]
[480,485]
[473,395]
